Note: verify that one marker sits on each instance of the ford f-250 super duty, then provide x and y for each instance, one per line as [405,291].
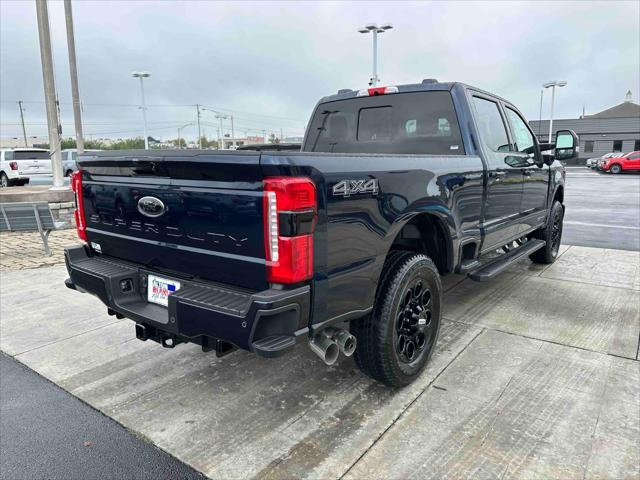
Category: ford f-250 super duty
[393,188]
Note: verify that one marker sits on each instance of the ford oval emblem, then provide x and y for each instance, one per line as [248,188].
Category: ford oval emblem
[151,207]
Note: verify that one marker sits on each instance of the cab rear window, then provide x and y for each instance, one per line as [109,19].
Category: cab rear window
[403,123]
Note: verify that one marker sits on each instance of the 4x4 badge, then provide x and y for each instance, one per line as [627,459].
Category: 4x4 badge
[346,188]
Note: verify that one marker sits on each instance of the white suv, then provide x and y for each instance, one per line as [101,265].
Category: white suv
[69,158]
[18,165]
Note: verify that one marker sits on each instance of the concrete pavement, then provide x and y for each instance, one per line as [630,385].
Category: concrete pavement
[536,375]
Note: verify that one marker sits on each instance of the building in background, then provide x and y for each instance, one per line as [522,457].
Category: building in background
[228,142]
[616,129]
[18,142]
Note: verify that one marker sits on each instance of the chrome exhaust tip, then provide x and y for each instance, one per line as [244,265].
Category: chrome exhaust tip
[325,348]
[346,342]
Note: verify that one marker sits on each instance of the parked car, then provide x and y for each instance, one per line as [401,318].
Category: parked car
[18,165]
[394,187]
[593,162]
[69,158]
[600,161]
[626,163]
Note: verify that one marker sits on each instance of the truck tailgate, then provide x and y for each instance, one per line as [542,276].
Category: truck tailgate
[179,212]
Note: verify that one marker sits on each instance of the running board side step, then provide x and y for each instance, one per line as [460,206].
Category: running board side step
[496,266]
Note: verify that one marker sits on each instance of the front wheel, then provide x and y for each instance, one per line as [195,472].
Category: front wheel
[615,169]
[397,339]
[4,180]
[552,234]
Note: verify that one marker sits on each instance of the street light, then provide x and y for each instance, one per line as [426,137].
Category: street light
[221,117]
[141,76]
[553,85]
[179,130]
[375,29]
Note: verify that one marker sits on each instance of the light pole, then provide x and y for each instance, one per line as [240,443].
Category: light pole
[373,28]
[141,76]
[553,85]
[179,130]
[540,116]
[221,117]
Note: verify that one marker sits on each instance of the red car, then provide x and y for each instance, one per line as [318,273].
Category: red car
[625,163]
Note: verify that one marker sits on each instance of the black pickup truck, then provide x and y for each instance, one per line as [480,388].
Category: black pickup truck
[341,244]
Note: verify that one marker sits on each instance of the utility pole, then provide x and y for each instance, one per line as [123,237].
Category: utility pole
[73,70]
[199,135]
[281,136]
[53,121]
[264,136]
[24,131]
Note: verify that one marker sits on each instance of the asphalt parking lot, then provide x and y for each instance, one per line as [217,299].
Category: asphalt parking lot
[602,209]
[536,375]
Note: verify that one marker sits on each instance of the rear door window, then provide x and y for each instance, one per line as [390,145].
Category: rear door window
[401,123]
[27,155]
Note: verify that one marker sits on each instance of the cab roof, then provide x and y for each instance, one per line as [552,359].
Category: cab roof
[425,86]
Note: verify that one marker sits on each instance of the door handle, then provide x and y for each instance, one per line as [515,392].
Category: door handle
[497,174]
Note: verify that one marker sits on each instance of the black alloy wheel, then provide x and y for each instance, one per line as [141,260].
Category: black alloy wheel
[415,328]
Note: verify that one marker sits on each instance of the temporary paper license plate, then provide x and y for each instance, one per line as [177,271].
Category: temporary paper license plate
[159,289]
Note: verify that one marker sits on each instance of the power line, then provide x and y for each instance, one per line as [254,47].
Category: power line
[133,105]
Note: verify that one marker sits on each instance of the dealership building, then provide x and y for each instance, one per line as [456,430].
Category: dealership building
[616,129]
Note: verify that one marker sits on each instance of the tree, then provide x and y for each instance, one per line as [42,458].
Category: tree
[206,143]
[70,144]
[273,138]
[182,144]
[128,144]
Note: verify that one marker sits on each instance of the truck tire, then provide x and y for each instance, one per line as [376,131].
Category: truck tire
[396,340]
[552,234]
[615,169]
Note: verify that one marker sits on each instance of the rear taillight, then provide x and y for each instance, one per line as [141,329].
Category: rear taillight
[290,211]
[76,186]
[13,165]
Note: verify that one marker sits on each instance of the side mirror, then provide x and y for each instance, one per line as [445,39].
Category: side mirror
[566,146]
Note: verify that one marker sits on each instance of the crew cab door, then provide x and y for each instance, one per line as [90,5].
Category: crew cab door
[526,155]
[504,177]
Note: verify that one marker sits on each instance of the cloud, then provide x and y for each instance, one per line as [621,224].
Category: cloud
[264,60]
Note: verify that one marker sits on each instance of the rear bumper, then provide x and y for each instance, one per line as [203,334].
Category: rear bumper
[209,314]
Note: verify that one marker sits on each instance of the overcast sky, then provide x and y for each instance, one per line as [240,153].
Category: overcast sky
[268,63]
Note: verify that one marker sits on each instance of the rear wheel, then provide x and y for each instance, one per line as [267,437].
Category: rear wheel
[552,234]
[4,180]
[397,339]
[615,169]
